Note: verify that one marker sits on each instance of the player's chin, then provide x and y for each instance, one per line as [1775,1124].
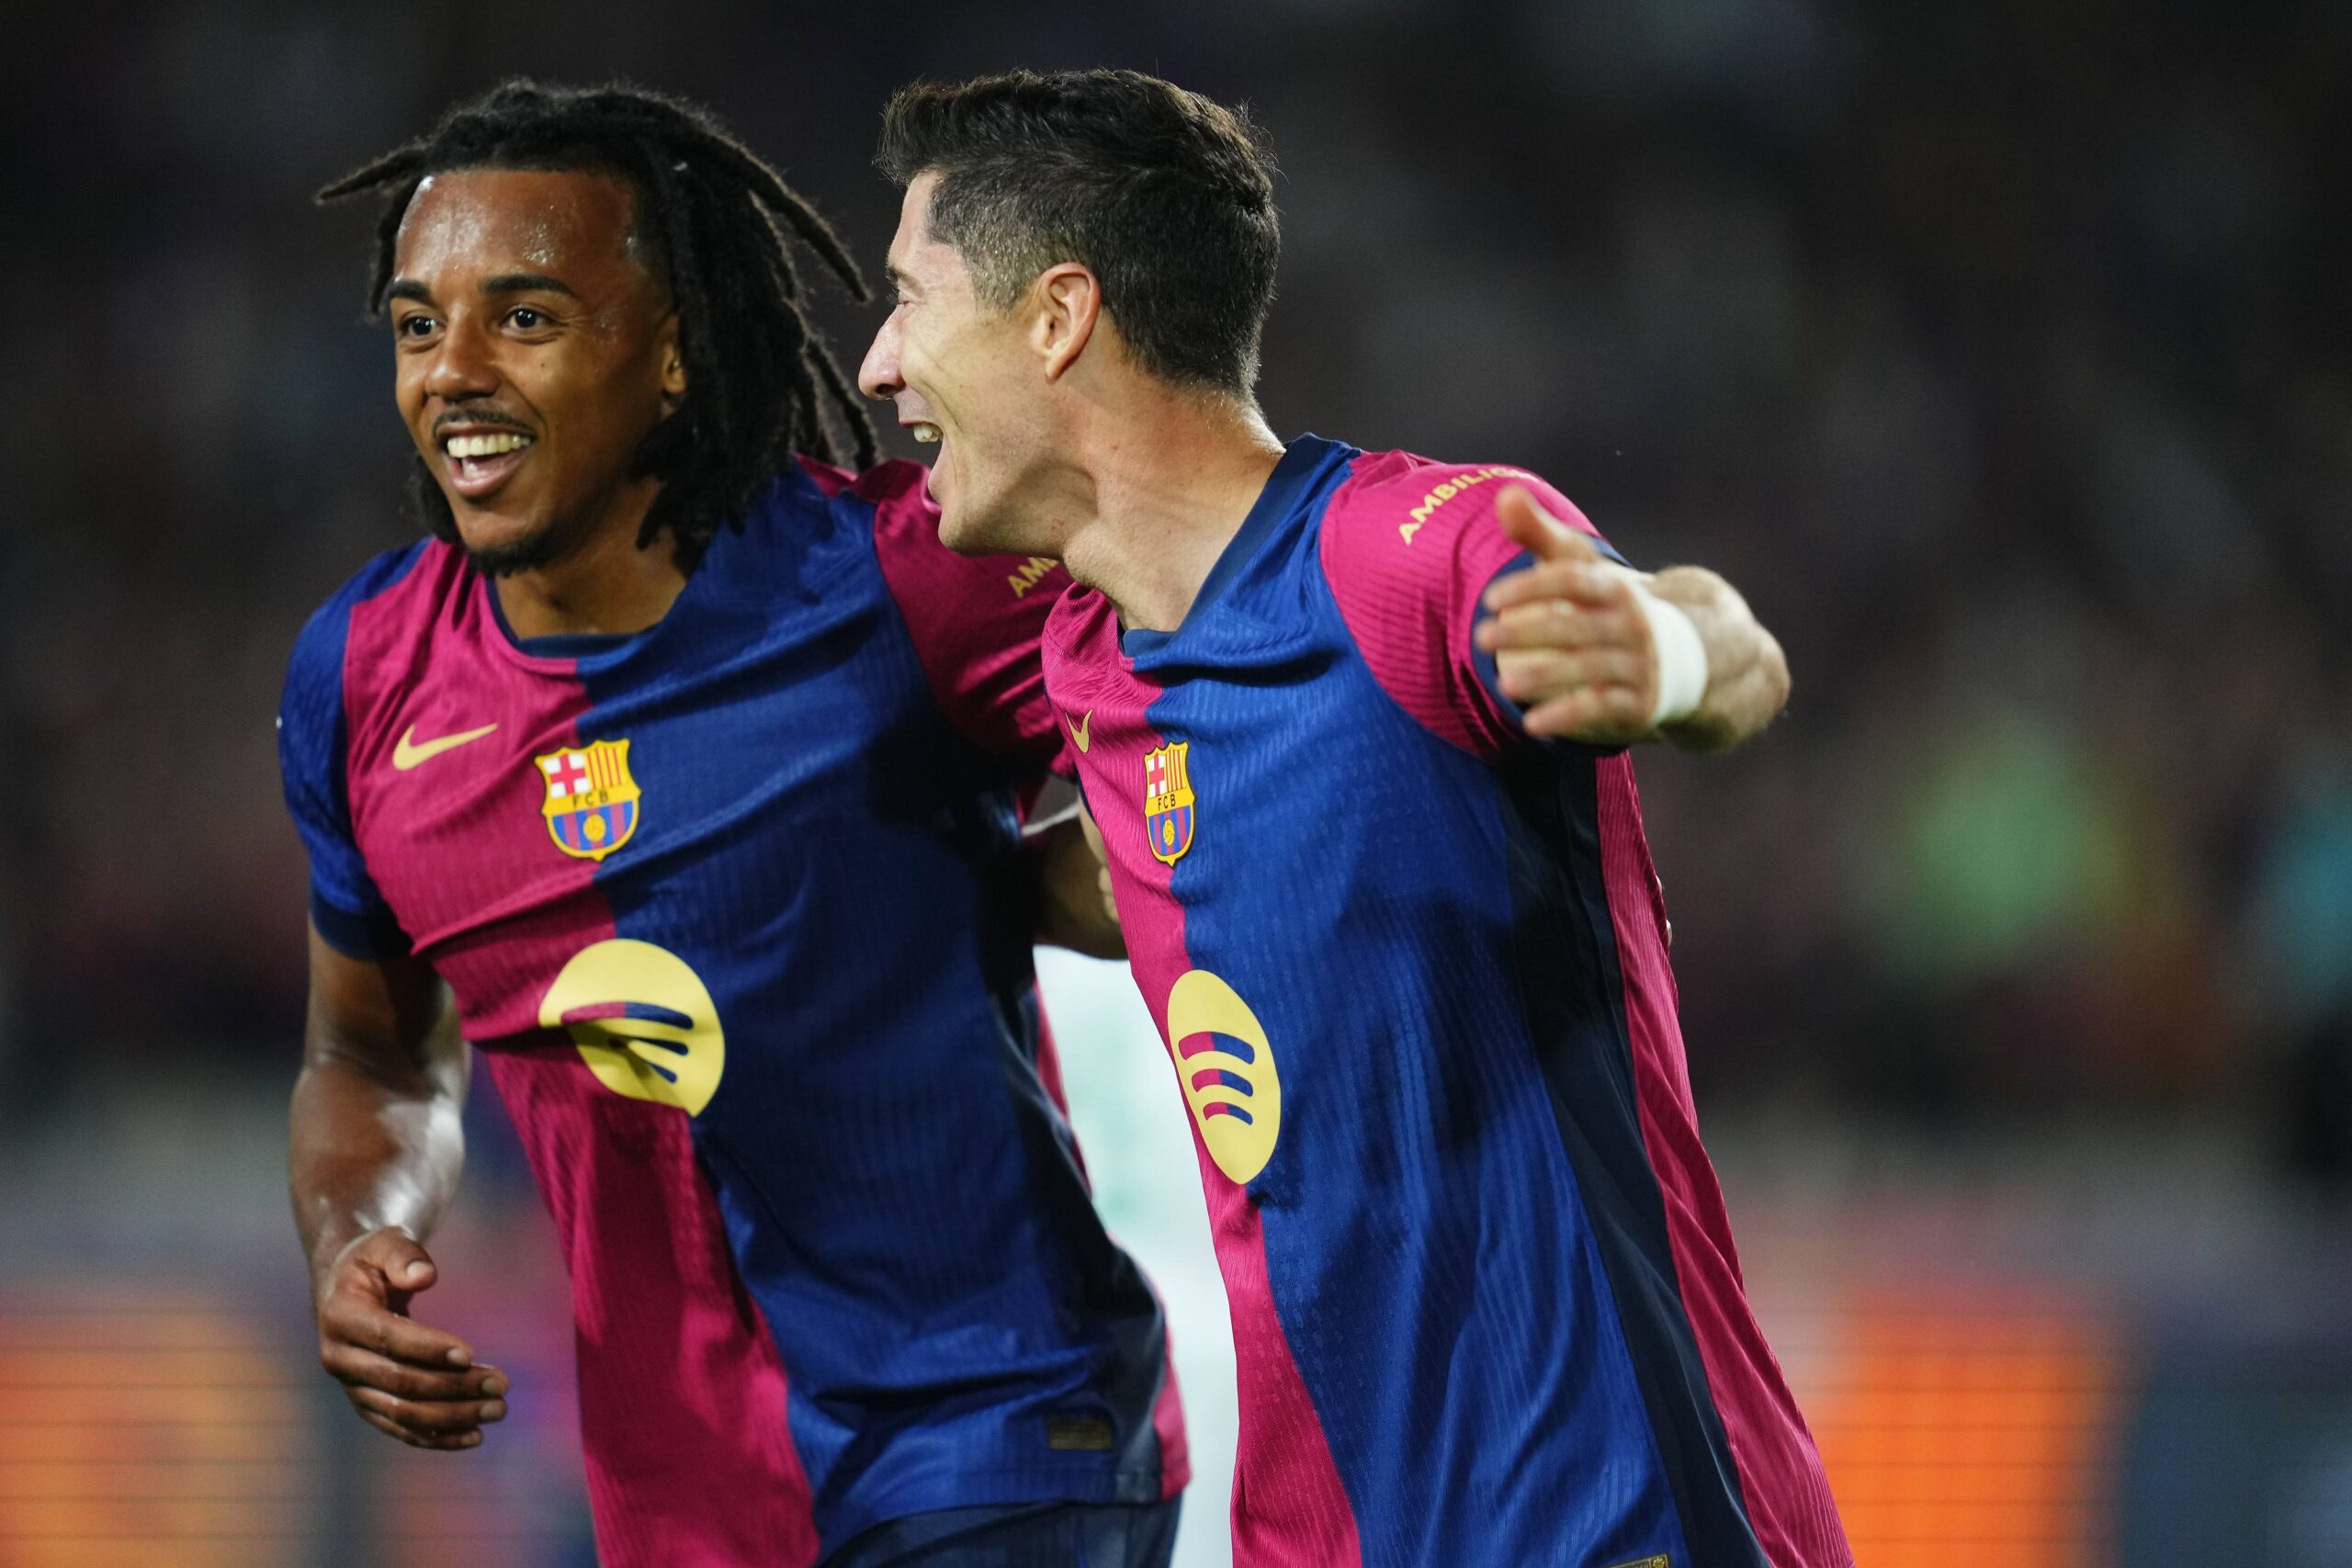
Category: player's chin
[502,541]
[991,522]
[966,531]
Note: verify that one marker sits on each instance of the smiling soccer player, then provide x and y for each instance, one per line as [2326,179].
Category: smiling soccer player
[1351,725]
[687,761]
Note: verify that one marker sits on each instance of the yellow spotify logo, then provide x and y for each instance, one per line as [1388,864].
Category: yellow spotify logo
[1226,1066]
[643,1020]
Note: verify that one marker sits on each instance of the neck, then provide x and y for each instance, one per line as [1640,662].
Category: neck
[606,586]
[1168,481]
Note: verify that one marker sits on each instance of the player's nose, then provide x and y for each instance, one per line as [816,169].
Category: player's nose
[878,375]
[460,367]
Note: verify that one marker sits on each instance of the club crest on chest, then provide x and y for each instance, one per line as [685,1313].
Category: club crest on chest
[1167,802]
[592,801]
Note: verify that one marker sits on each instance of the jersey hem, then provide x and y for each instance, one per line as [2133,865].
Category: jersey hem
[993,1487]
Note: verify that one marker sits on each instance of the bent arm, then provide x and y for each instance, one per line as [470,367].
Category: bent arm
[373,1162]
[375,1137]
[1074,888]
[1747,676]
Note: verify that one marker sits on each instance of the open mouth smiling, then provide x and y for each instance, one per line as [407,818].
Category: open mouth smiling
[479,457]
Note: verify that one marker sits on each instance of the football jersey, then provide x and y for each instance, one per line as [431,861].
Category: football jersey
[1411,966]
[735,909]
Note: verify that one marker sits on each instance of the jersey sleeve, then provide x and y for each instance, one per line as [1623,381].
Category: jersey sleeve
[311,738]
[976,620]
[1409,546]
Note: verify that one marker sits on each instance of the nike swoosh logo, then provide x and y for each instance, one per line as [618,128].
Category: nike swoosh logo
[409,753]
[1077,731]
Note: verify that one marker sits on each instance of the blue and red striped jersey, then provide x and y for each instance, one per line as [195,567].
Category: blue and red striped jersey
[735,909]
[1412,968]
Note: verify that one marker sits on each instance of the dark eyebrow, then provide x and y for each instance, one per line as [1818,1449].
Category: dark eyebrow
[897,276]
[526,283]
[408,288]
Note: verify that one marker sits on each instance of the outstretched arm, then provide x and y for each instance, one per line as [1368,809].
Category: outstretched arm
[373,1160]
[1586,660]
[1747,676]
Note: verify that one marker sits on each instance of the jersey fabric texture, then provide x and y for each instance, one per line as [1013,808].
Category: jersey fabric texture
[1050,1535]
[734,907]
[1412,968]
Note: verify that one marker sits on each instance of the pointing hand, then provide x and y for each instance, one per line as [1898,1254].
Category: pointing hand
[1570,644]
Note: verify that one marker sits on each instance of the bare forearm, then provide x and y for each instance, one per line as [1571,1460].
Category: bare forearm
[364,1154]
[1076,911]
[373,1159]
[1594,652]
[1747,676]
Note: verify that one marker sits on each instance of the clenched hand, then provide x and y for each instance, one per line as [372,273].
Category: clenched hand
[418,1383]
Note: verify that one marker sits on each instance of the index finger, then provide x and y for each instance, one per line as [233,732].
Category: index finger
[352,1320]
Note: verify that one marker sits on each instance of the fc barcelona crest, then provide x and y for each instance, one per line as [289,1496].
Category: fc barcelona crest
[592,801]
[1167,802]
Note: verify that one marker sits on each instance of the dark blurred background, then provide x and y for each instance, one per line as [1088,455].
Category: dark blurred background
[1998,352]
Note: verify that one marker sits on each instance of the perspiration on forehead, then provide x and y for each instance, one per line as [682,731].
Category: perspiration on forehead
[552,221]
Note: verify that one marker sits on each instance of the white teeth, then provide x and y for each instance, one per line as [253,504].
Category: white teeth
[485,445]
[927,434]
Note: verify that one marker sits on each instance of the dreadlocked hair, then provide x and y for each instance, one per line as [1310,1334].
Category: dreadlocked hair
[719,224]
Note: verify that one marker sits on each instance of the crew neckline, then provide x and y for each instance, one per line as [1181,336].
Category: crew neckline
[1301,459]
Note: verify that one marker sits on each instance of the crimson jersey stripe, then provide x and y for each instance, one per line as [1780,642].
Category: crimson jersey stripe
[682,1396]
[1780,1478]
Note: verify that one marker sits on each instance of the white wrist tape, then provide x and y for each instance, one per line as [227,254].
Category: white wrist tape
[1681,658]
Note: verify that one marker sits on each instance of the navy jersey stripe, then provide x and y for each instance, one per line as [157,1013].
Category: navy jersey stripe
[313,736]
[844,869]
[375,935]
[1576,1016]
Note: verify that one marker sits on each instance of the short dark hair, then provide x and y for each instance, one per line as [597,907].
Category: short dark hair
[706,214]
[1166,197]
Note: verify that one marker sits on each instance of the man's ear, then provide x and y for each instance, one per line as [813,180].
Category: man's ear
[1068,304]
[673,365]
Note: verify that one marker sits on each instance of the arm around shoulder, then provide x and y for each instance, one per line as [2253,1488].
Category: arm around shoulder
[1076,909]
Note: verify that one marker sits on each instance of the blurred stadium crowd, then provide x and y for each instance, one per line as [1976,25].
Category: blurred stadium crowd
[1998,352]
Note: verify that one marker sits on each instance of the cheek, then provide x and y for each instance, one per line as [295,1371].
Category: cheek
[947,348]
[409,397]
[597,402]
[908,354]
[556,379]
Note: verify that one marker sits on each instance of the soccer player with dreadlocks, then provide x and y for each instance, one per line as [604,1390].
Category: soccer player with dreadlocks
[678,772]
